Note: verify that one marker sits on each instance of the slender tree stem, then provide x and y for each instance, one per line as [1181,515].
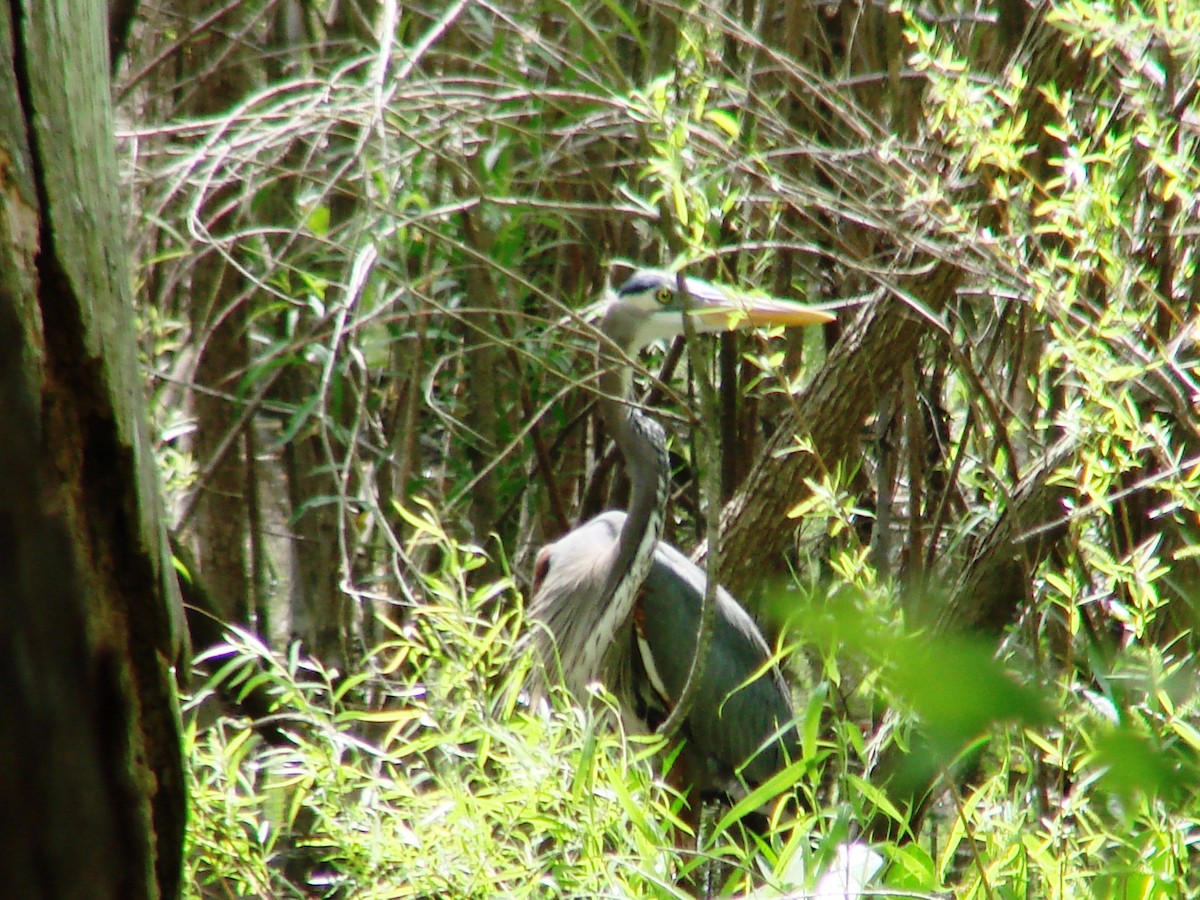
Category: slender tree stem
[710,491]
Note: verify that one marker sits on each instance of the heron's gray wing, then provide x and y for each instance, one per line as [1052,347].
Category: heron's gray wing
[733,718]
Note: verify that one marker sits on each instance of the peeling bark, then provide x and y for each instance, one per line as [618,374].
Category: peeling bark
[94,780]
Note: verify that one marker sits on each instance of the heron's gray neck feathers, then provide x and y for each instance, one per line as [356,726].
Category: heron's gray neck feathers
[645,448]
[643,443]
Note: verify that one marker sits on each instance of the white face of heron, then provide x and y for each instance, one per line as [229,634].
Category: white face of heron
[650,304]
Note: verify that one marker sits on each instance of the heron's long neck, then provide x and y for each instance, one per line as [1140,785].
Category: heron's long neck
[644,445]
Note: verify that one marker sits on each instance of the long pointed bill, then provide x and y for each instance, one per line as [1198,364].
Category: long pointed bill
[740,311]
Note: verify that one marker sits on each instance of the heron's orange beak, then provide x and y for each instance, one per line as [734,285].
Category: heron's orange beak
[741,311]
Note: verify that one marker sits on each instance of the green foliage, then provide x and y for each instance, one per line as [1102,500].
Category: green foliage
[429,775]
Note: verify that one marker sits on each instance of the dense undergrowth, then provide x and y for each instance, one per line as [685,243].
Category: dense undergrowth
[427,773]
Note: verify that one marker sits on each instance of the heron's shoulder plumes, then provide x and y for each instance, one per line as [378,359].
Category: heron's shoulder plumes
[571,575]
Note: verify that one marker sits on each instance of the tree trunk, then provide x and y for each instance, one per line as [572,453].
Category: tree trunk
[867,359]
[93,783]
[214,77]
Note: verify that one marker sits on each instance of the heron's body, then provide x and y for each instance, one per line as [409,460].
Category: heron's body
[751,730]
[751,736]
[619,606]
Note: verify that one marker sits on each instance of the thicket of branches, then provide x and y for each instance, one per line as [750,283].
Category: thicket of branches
[370,237]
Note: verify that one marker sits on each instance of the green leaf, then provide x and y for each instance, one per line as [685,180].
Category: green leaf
[317,220]
[1132,764]
[959,689]
[911,869]
[725,121]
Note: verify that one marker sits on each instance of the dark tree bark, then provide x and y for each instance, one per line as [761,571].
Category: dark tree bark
[995,583]
[121,14]
[93,779]
[323,616]
[214,76]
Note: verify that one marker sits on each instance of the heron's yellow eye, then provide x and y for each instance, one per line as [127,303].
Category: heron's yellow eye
[663,295]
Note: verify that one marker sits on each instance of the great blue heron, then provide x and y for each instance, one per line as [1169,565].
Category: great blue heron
[619,606]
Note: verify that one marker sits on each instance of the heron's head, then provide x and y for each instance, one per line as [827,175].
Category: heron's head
[649,306]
